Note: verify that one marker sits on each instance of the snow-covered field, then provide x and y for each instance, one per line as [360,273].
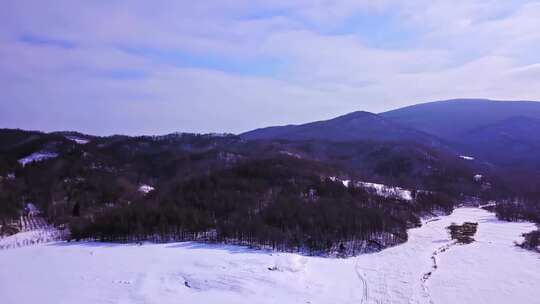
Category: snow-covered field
[491,270]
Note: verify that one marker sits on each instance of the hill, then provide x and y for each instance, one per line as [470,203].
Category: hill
[289,195]
[350,127]
[452,119]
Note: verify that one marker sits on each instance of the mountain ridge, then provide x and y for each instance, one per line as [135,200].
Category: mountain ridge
[449,119]
[358,125]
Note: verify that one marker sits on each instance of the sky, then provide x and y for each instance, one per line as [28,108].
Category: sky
[154,67]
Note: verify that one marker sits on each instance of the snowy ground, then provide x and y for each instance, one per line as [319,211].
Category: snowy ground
[491,270]
[34,230]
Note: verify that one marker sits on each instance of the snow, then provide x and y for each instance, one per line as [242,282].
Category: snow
[291,154]
[27,238]
[345,182]
[496,271]
[292,263]
[466,157]
[78,140]
[37,156]
[490,270]
[146,189]
[387,191]
[33,230]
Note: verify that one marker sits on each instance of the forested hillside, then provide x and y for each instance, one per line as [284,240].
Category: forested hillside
[289,195]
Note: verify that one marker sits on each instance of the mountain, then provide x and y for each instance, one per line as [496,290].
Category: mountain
[350,127]
[453,119]
[514,130]
[504,133]
[514,141]
[429,123]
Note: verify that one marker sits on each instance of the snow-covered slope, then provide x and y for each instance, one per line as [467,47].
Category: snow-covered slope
[146,188]
[28,238]
[34,230]
[387,191]
[36,157]
[491,270]
[78,140]
[379,189]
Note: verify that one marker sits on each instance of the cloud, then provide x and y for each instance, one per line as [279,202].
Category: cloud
[154,67]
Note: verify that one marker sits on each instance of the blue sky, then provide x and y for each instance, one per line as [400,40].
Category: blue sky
[153,67]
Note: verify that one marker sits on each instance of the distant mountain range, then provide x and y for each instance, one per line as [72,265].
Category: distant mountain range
[503,132]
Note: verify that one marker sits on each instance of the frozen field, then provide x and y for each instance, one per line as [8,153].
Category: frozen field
[427,269]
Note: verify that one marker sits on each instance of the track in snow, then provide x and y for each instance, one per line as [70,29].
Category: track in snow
[434,267]
[365,291]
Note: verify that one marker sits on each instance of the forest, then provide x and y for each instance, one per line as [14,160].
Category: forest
[525,207]
[284,195]
[275,203]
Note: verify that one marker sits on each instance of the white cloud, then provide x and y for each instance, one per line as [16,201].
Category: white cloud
[461,49]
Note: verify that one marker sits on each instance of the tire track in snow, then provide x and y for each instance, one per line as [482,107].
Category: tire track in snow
[365,292]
